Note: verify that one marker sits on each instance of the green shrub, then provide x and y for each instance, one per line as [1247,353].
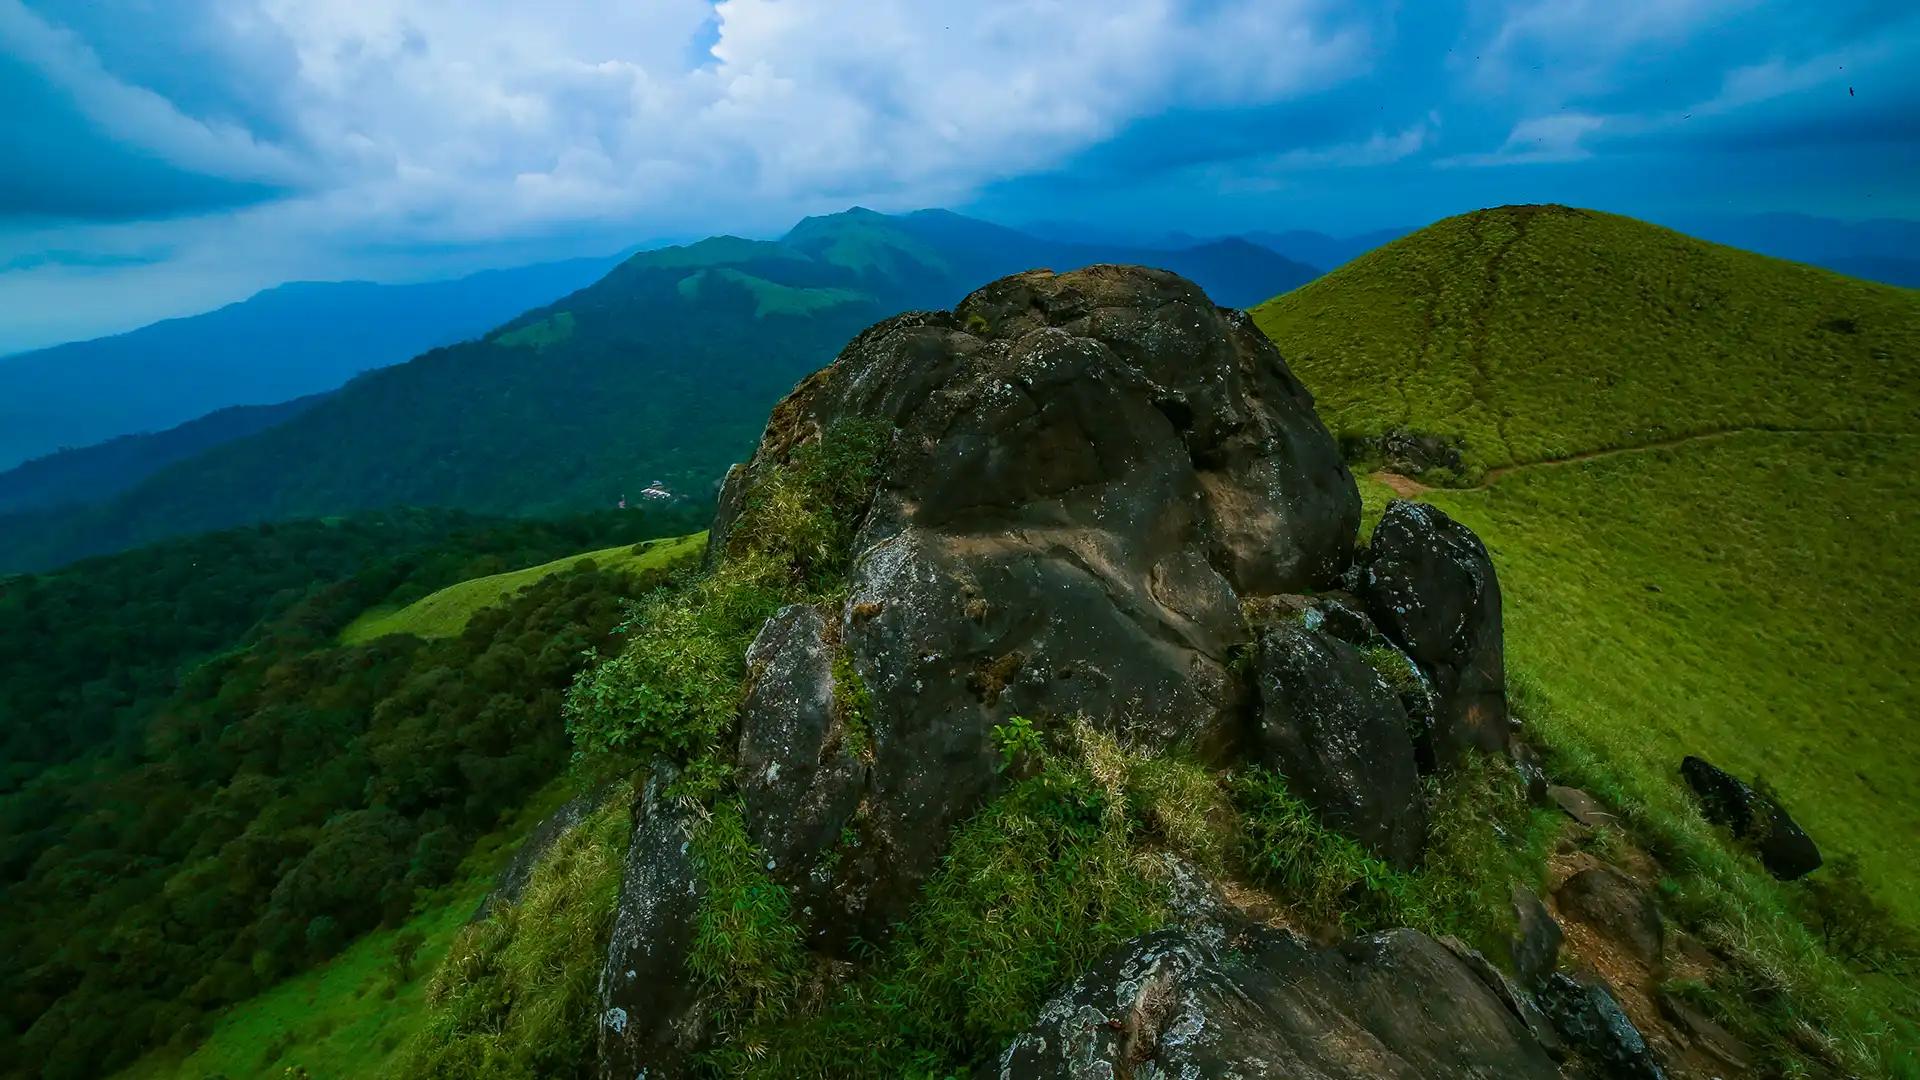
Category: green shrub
[674,690]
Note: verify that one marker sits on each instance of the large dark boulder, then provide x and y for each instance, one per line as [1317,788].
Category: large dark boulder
[1430,586]
[1088,474]
[1536,940]
[1593,1023]
[1330,724]
[647,1019]
[800,778]
[1784,847]
[1397,1004]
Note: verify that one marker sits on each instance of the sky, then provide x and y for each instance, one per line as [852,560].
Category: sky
[161,157]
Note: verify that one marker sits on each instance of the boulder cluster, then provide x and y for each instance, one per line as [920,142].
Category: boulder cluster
[1106,499]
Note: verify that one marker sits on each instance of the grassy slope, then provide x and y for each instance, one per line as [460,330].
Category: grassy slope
[1783,564]
[338,1021]
[1540,332]
[447,612]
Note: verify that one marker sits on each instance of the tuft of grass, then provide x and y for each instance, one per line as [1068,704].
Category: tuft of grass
[515,995]
[851,701]
[746,948]
[447,612]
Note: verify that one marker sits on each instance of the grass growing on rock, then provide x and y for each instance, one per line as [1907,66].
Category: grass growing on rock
[1061,867]
[514,996]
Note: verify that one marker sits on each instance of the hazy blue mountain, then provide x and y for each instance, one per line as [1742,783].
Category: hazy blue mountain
[96,473]
[1321,250]
[1878,249]
[664,369]
[283,343]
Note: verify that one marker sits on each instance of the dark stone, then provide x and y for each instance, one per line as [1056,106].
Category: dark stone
[1784,848]
[513,879]
[799,778]
[1431,588]
[1594,1024]
[1397,1004]
[1536,943]
[1520,1004]
[1533,772]
[1334,729]
[1582,807]
[1089,472]
[648,1024]
[1617,907]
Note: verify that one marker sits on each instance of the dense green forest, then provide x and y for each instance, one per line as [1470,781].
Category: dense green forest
[218,793]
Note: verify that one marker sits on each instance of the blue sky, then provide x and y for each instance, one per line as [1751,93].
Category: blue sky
[165,156]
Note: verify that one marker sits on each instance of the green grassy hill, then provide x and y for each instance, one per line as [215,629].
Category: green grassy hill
[1536,333]
[1694,468]
[447,612]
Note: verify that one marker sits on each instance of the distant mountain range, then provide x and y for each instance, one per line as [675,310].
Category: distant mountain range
[1886,250]
[286,342]
[661,370]
[96,473]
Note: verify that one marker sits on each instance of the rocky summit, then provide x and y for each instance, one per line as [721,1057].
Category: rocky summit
[1100,500]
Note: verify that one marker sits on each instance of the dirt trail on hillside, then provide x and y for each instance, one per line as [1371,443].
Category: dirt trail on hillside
[1493,475]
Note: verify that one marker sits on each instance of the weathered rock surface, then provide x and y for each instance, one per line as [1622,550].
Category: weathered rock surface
[1336,731]
[1617,907]
[1397,1004]
[519,870]
[1582,807]
[1430,586]
[1536,943]
[1090,472]
[645,1000]
[1783,846]
[1594,1024]
[799,777]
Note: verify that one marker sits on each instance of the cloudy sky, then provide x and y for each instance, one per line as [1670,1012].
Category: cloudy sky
[164,156]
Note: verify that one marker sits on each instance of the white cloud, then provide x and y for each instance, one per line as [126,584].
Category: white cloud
[457,120]
[1539,140]
[473,123]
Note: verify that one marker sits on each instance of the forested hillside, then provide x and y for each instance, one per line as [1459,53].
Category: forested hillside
[662,371]
[296,339]
[206,792]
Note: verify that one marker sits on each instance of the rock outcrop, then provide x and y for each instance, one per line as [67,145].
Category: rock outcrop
[800,778]
[1595,1025]
[645,1007]
[1333,727]
[1397,1004]
[1090,473]
[1430,586]
[1784,847]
